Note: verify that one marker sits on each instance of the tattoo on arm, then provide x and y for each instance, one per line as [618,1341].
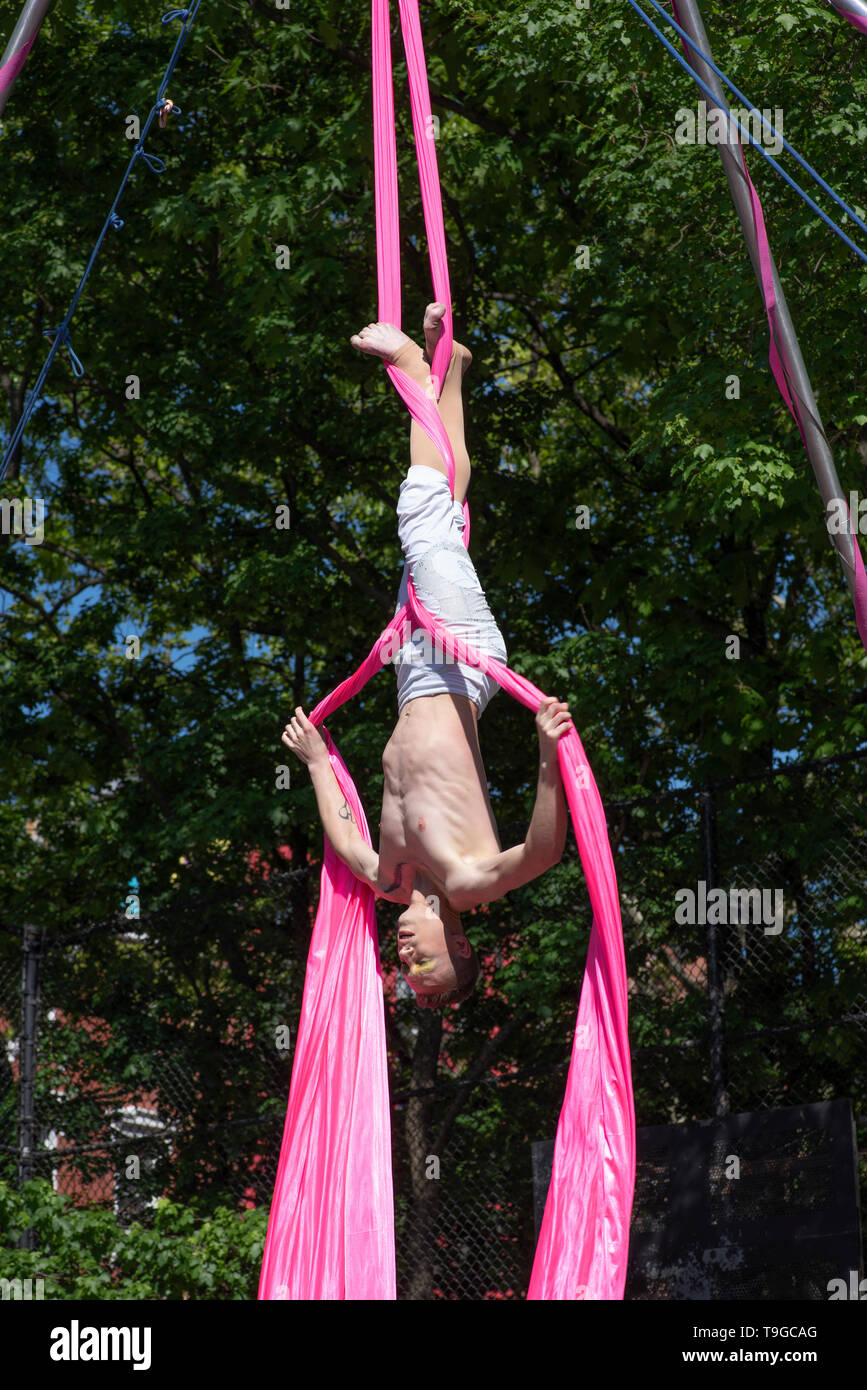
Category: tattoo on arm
[345,813]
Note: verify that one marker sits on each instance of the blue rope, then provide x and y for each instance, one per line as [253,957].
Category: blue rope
[762,151]
[766,123]
[60,334]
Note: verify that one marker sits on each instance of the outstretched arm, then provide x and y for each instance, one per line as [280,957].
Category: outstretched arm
[490,878]
[338,822]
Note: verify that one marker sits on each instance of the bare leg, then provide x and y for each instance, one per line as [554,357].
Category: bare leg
[450,405]
[389,343]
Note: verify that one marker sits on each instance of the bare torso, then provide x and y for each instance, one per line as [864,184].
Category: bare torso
[436,814]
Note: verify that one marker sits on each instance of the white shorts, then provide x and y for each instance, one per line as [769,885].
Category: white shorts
[430,529]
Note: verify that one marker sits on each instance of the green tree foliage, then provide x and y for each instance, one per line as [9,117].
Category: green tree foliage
[85,1254]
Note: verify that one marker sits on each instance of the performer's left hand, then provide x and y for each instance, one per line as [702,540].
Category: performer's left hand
[304,739]
[552,720]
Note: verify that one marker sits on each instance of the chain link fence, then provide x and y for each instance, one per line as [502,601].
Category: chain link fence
[745,920]
[745,913]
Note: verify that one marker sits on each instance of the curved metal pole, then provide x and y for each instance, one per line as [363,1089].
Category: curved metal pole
[851,9]
[18,47]
[818,448]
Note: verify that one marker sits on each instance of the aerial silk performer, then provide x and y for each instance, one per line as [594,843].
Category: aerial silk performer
[331,1229]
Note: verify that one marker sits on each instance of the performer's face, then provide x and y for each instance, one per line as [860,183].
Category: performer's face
[428,940]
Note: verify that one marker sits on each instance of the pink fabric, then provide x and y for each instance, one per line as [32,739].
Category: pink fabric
[10,69]
[338,1105]
[331,1233]
[584,1240]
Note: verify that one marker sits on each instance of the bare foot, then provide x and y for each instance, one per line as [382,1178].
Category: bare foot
[433,327]
[382,340]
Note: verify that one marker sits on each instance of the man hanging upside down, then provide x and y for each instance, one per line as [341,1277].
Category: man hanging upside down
[439,851]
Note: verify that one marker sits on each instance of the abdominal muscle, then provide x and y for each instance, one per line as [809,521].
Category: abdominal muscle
[436,814]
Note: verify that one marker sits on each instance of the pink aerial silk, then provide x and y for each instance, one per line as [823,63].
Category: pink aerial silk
[11,68]
[776,355]
[330,1233]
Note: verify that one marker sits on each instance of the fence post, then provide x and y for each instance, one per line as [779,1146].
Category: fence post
[715,994]
[30,971]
